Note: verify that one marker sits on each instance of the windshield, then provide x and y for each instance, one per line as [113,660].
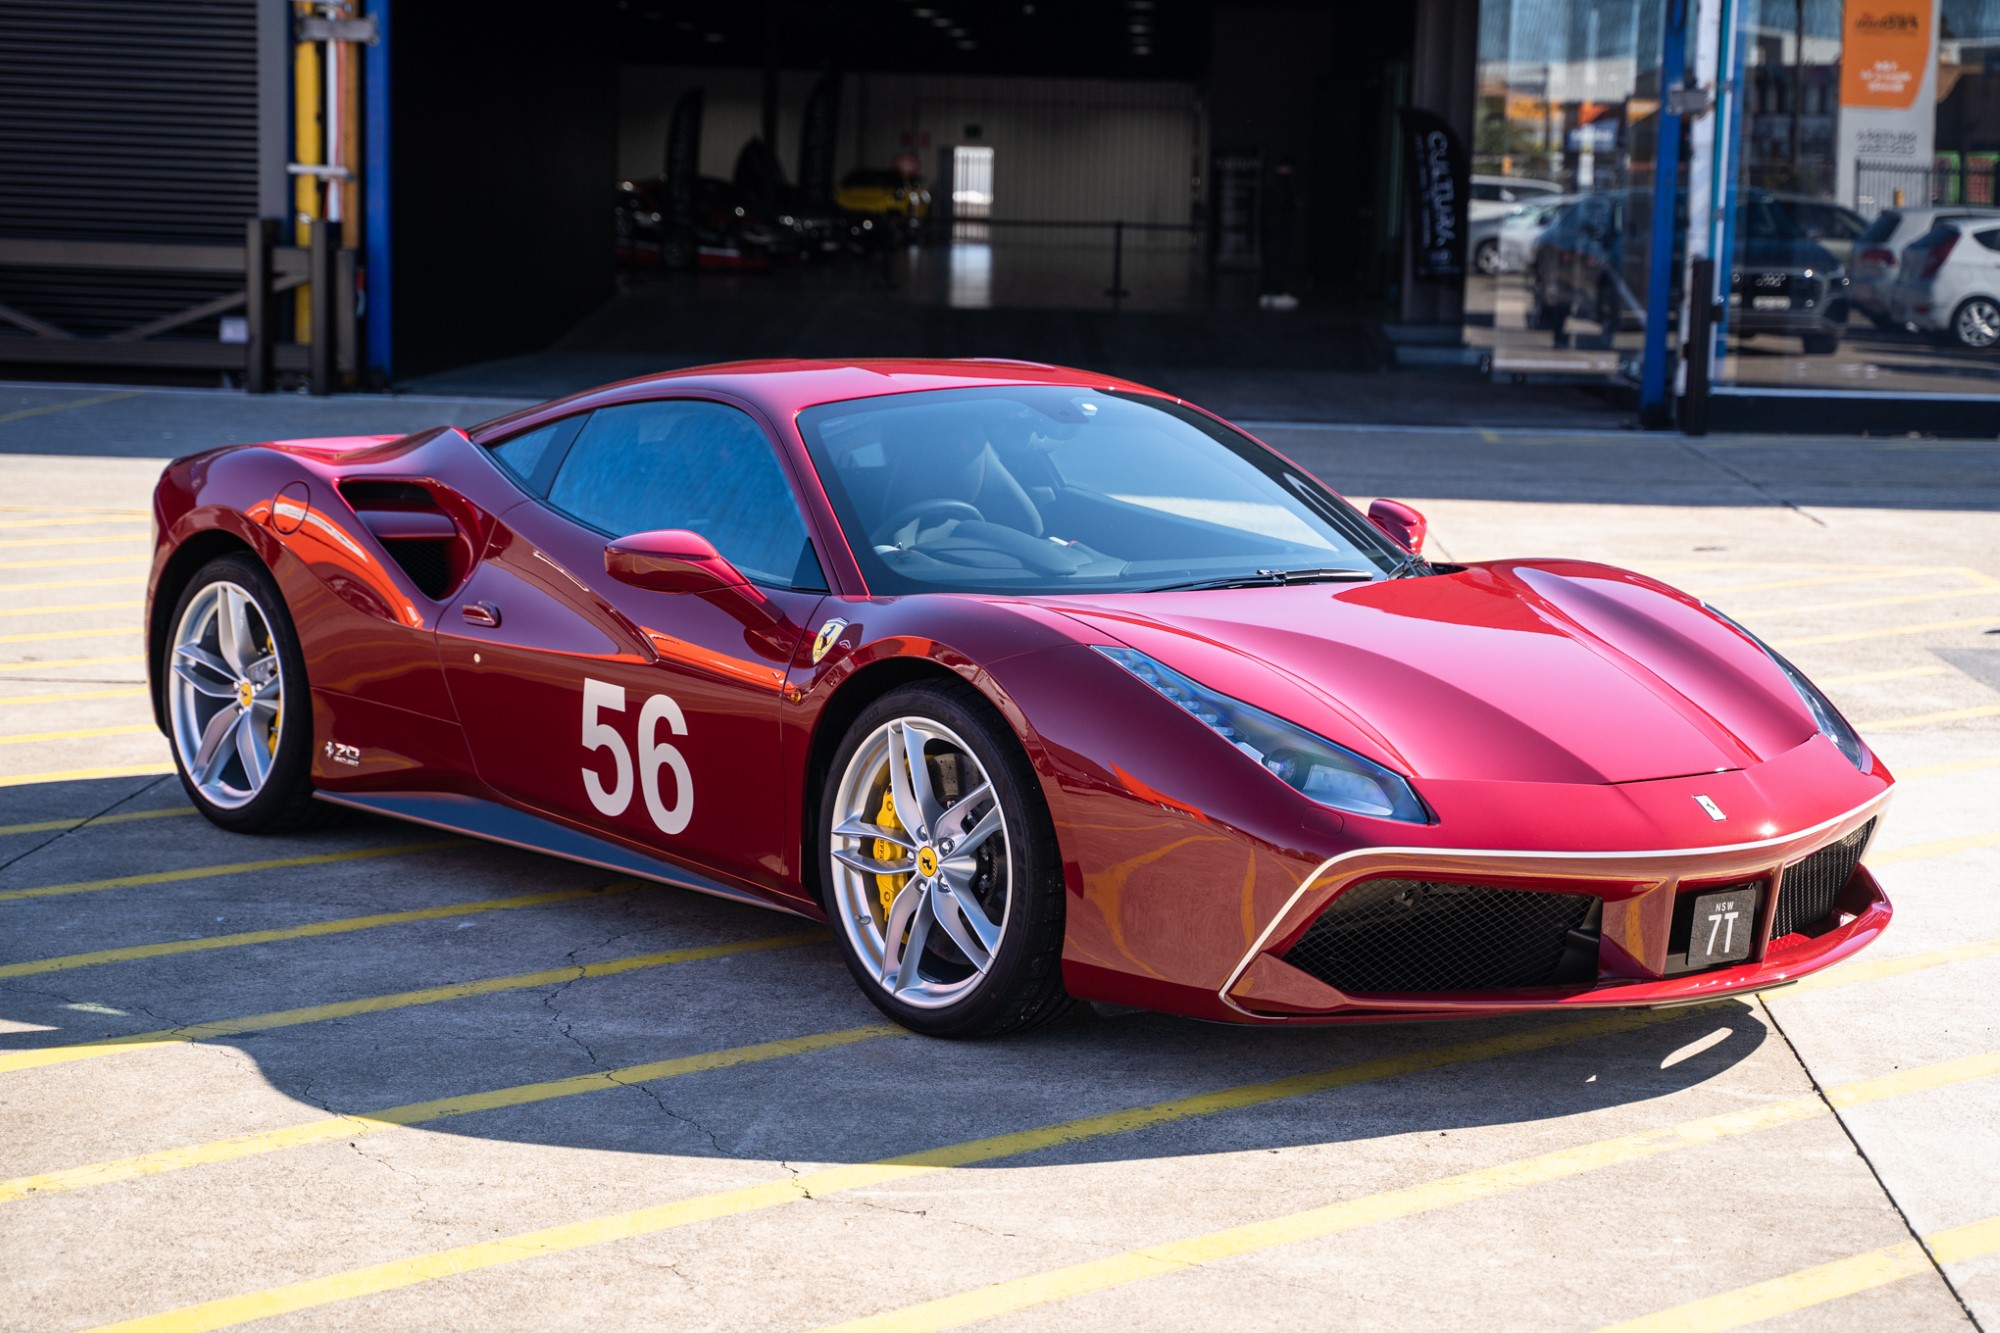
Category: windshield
[1048,489]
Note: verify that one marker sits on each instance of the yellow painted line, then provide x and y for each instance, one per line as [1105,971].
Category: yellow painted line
[1879,969]
[85,775]
[73,521]
[73,608]
[84,733]
[1799,564]
[46,584]
[71,405]
[38,1057]
[1853,636]
[234,868]
[340,926]
[1826,1282]
[1955,766]
[1815,608]
[1780,585]
[44,635]
[73,560]
[341,1128]
[1926,719]
[1118,1270]
[40,543]
[70,696]
[51,663]
[1924,851]
[399,1273]
[65,825]
[1871,677]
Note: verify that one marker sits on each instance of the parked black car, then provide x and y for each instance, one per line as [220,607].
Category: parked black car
[720,228]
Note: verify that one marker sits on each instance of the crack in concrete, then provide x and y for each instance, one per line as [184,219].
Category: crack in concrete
[926,1214]
[82,824]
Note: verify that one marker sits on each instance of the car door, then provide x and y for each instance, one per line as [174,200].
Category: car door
[648,715]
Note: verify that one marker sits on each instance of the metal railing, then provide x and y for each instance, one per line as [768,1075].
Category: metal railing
[1117,227]
[268,271]
[1952,180]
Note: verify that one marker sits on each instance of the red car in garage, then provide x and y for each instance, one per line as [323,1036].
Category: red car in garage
[1038,685]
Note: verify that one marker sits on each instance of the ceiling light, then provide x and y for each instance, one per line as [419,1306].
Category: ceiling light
[967,45]
[958,32]
[1141,28]
[923,13]
[713,37]
[1142,50]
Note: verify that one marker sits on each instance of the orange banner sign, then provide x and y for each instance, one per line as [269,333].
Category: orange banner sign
[1886,47]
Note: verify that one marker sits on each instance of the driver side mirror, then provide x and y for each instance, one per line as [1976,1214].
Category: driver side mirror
[1400,523]
[672,561]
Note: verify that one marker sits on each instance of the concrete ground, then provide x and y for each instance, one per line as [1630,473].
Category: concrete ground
[375,1077]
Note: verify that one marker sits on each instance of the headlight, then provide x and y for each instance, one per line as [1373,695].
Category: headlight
[1825,716]
[1328,773]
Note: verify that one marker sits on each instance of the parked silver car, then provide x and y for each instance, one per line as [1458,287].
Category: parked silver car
[1878,250]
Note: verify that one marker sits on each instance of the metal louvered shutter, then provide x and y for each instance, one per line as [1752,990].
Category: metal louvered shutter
[125,120]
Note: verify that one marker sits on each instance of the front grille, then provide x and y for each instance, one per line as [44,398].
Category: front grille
[1806,894]
[1397,935]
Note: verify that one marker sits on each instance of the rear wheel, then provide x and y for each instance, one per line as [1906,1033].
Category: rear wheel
[1486,257]
[238,712]
[1976,322]
[940,867]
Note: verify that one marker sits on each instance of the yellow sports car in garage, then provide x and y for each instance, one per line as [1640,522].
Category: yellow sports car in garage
[884,191]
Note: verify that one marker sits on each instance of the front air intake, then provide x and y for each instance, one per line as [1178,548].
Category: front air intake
[1395,936]
[1806,894]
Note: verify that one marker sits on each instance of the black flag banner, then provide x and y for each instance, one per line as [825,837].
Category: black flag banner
[1439,186]
[817,132]
[683,162]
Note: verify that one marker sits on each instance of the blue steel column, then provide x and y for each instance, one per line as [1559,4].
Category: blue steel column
[375,199]
[1666,202]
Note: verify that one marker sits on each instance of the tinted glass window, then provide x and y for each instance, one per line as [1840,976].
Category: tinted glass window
[1485,191]
[708,468]
[525,455]
[1989,239]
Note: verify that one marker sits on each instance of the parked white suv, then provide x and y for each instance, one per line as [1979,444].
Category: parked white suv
[1872,273]
[1949,282]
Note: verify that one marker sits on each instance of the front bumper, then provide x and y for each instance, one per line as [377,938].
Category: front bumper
[1631,903]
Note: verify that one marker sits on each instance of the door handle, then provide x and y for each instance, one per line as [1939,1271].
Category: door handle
[481,613]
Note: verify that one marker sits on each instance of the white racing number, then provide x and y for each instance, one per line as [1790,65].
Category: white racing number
[602,697]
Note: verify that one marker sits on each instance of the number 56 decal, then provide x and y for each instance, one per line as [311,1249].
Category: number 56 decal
[601,696]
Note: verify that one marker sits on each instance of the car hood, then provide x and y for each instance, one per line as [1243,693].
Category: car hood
[1539,671]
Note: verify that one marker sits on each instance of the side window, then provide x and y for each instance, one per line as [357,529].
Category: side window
[642,467]
[529,456]
[1989,239]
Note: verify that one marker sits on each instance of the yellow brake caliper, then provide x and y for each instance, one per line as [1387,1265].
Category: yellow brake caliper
[884,850]
[278,713]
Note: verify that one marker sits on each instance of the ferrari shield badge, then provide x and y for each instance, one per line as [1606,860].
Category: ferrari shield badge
[828,633]
[1714,810]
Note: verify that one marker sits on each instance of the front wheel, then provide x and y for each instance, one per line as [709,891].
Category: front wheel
[940,866]
[237,707]
[1486,257]
[1976,323]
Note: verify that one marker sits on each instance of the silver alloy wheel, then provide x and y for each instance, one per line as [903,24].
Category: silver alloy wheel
[226,696]
[924,898]
[1978,323]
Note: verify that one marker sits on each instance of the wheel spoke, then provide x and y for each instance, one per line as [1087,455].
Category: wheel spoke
[232,630]
[215,739]
[252,748]
[987,825]
[952,823]
[909,969]
[861,828]
[966,922]
[201,683]
[868,865]
[924,802]
[904,910]
[263,671]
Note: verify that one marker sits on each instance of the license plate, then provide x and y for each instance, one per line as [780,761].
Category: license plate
[1770,303]
[1724,927]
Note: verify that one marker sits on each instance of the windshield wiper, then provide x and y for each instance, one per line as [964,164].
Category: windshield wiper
[1271,578]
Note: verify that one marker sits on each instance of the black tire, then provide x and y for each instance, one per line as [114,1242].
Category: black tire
[1821,344]
[285,803]
[1486,257]
[1022,987]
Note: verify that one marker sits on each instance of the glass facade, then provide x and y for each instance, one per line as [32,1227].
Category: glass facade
[1848,190]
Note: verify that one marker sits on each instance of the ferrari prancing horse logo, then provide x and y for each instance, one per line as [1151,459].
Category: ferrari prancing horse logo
[1714,810]
[828,632]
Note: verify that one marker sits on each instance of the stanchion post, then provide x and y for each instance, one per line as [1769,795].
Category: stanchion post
[257,238]
[1700,345]
[324,235]
[1117,290]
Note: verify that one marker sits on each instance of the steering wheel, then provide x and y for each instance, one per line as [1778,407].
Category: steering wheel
[917,508]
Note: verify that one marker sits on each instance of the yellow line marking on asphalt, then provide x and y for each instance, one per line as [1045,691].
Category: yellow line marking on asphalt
[1816,608]
[74,560]
[44,635]
[65,825]
[1818,1285]
[1904,673]
[73,521]
[38,1057]
[86,733]
[1883,968]
[76,607]
[1820,581]
[69,509]
[233,868]
[72,404]
[354,1124]
[85,775]
[340,926]
[1798,564]
[72,662]
[71,696]
[39,542]
[1923,851]
[46,584]
[1352,1214]
[1926,719]
[1953,767]
[1852,636]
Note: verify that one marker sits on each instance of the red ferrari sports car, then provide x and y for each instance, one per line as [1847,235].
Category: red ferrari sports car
[1037,684]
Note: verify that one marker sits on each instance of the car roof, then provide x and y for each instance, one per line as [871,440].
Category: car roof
[784,387]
